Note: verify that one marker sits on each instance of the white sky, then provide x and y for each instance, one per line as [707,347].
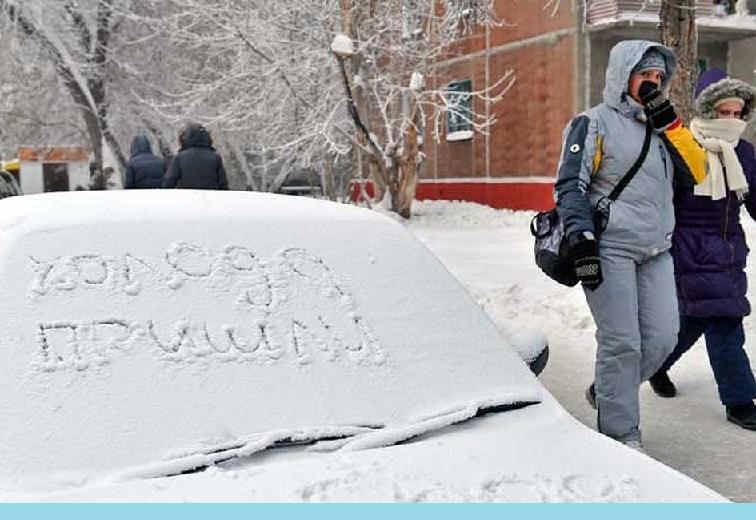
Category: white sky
[145,357]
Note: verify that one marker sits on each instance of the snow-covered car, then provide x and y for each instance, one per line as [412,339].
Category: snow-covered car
[207,346]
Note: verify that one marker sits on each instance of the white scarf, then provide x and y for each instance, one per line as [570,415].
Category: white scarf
[719,138]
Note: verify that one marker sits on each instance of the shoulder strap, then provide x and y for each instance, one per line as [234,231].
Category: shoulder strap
[635,167]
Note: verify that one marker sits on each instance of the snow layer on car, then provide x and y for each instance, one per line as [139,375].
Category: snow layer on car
[136,324]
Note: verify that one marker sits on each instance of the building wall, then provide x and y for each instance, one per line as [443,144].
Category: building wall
[742,65]
[715,54]
[32,180]
[538,48]
[78,175]
[30,176]
[551,59]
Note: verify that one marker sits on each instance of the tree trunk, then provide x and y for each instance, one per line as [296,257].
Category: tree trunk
[326,176]
[409,164]
[678,31]
[380,179]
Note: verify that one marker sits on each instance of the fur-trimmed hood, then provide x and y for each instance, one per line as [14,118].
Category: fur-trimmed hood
[714,86]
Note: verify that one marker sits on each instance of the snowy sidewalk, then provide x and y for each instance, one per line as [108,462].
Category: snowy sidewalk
[490,252]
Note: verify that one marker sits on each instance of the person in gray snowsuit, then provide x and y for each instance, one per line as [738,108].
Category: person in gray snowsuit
[627,274]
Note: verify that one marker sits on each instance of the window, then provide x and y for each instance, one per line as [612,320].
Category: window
[55,176]
[459,111]
[702,64]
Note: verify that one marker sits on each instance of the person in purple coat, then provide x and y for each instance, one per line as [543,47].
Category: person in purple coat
[709,246]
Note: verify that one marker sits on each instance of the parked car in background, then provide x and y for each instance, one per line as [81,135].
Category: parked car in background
[179,345]
[8,184]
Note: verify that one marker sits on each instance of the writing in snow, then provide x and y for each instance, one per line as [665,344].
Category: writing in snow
[289,308]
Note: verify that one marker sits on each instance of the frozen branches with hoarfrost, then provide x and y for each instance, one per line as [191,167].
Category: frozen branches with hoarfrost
[74,38]
[263,77]
[399,43]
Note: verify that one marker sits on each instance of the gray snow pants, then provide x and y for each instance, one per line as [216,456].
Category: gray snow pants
[636,316]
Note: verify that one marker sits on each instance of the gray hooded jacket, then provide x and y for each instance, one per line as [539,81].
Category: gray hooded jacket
[599,147]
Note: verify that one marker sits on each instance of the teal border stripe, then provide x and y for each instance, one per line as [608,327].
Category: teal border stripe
[375,511]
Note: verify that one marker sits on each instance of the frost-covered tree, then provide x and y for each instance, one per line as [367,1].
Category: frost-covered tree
[74,37]
[261,75]
[264,77]
[396,45]
[31,108]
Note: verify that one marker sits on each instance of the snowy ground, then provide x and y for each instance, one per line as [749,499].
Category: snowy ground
[490,252]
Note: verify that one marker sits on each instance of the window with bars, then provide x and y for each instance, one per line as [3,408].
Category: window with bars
[459,111]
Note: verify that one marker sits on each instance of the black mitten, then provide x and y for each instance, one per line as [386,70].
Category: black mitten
[586,260]
[658,109]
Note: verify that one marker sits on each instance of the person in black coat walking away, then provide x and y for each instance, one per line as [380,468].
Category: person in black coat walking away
[145,169]
[196,165]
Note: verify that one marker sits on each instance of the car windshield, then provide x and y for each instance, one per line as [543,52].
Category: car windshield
[138,324]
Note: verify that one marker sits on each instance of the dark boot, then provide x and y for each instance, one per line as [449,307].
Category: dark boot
[744,415]
[663,385]
[590,396]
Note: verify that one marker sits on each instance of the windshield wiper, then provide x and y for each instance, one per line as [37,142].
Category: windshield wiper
[194,460]
[404,433]
[349,438]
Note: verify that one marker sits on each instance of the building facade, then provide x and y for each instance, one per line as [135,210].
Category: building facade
[557,59]
[60,168]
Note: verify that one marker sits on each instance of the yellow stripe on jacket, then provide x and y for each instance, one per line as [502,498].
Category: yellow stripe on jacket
[597,157]
[690,151]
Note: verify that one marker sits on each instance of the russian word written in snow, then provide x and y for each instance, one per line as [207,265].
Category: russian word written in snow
[289,308]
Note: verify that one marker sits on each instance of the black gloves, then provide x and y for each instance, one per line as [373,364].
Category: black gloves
[658,109]
[585,259]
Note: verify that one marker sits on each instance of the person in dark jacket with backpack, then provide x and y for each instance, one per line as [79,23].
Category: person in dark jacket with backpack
[196,165]
[709,247]
[145,169]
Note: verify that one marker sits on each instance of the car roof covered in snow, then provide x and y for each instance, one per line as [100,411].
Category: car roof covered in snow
[140,325]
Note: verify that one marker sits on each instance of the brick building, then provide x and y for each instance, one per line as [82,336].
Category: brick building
[558,59]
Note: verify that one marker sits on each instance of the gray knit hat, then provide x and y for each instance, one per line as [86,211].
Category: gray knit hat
[652,59]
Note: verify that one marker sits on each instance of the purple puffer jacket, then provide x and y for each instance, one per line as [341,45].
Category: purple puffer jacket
[710,250]
[708,245]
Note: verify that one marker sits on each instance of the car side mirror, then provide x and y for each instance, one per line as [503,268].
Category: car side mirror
[533,348]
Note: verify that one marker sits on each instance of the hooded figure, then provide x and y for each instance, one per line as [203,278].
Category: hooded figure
[197,165]
[709,246]
[627,275]
[145,170]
